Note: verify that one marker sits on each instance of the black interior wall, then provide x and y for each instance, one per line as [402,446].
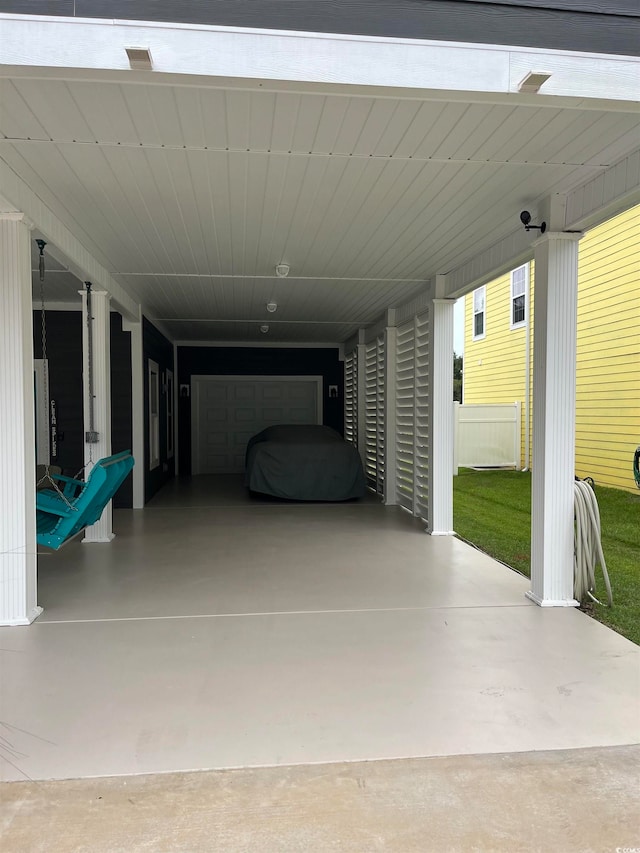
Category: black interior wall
[121,394]
[64,350]
[258,361]
[159,349]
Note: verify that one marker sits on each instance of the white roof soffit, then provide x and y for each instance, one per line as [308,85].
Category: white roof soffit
[423,207]
[284,57]
[610,192]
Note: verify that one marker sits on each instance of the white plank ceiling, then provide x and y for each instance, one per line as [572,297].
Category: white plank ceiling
[190,195]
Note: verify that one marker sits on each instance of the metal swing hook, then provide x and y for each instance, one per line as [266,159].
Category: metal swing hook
[41,245]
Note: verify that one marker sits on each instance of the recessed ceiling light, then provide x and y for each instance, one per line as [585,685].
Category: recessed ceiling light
[282,270]
[272,307]
[139,58]
[264,329]
[532,82]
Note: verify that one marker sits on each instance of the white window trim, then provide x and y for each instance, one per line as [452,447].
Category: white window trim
[154,417]
[474,313]
[522,323]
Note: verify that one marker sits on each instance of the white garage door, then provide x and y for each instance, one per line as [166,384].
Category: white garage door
[227,410]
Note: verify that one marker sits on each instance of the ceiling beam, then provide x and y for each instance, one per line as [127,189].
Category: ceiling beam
[514,249]
[291,87]
[615,189]
[262,344]
[62,244]
[266,55]
[265,319]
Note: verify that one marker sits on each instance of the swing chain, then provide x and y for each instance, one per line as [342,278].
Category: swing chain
[91,437]
[45,384]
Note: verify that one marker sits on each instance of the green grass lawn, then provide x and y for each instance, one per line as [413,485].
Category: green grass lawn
[492,510]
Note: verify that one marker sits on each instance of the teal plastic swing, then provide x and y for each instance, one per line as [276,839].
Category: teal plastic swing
[61,515]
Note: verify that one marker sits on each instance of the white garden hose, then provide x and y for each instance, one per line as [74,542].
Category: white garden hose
[587,544]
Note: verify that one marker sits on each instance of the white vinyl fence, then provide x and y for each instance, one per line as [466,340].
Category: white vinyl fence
[487,436]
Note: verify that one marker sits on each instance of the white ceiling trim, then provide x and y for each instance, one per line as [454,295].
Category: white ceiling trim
[517,162]
[278,279]
[507,254]
[311,57]
[259,344]
[612,191]
[291,87]
[268,319]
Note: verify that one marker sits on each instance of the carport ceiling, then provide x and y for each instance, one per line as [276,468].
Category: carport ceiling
[190,195]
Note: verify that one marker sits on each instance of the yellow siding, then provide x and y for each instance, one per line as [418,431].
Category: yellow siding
[608,351]
[494,367]
[608,355]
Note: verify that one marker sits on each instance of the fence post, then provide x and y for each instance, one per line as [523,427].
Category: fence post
[456,435]
[517,449]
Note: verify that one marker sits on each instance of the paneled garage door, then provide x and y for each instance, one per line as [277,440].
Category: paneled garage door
[227,410]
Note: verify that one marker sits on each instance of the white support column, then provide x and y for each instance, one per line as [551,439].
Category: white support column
[137,410]
[441,423]
[18,561]
[102,530]
[554,381]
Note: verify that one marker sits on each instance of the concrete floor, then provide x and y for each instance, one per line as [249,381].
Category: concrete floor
[217,631]
[574,802]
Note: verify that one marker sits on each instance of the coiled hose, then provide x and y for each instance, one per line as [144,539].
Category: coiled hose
[587,544]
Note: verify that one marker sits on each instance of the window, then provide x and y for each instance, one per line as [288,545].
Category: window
[519,288]
[479,299]
[154,415]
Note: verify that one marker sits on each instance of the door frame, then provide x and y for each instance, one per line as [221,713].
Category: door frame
[195,384]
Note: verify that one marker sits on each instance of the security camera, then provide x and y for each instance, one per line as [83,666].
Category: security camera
[525,218]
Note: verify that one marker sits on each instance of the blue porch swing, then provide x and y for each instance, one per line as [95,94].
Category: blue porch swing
[70,505]
[63,512]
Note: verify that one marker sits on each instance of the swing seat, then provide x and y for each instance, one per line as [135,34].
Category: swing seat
[56,521]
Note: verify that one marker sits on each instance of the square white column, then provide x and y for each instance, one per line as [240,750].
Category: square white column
[18,561]
[441,420]
[137,410]
[102,530]
[554,406]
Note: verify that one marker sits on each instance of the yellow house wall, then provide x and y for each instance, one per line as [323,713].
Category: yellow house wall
[608,351]
[494,367]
